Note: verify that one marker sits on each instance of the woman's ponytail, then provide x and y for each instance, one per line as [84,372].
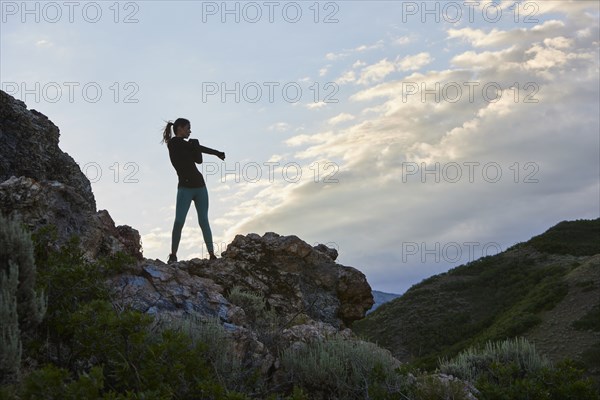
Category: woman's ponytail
[167,134]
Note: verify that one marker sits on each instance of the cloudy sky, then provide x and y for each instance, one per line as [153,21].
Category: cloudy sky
[411,136]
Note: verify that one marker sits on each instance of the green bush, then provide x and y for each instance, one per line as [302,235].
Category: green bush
[219,348]
[22,307]
[473,362]
[512,369]
[428,387]
[342,369]
[254,306]
[10,337]
[51,382]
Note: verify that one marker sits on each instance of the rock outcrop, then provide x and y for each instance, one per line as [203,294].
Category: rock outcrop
[293,277]
[29,143]
[42,185]
[311,295]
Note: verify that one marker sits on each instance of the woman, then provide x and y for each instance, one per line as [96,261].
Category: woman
[184,156]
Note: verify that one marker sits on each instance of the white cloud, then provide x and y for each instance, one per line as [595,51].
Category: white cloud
[358,49]
[279,127]
[402,40]
[376,72]
[346,77]
[414,63]
[44,43]
[316,105]
[343,117]
[497,37]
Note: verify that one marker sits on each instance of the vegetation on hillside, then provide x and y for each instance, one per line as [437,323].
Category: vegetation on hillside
[490,299]
[85,345]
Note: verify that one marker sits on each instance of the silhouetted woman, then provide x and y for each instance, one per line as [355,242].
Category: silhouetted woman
[184,155]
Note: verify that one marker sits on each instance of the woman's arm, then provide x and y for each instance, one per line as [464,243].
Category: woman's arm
[207,150]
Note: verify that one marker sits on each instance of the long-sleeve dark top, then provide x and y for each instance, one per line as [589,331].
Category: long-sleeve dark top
[184,155]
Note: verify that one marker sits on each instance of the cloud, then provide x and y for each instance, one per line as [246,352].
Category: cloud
[346,77]
[44,43]
[376,72]
[316,105]
[414,63]
[323,71]
[497,37]
[343,117]
[402,40]
[279,127]
[358,49]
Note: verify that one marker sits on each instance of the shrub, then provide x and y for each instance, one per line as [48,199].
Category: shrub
[512,369]
[219,348]
[471,363]
[22,308]
[10,340]
[254,306]
[344,369]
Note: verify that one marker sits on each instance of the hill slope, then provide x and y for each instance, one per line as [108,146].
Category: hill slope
[381,298]
[546,289]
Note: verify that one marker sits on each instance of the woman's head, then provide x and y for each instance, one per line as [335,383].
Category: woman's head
[181,127]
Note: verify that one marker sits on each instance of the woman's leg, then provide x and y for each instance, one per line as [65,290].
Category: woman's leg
[184,199]
[201,203]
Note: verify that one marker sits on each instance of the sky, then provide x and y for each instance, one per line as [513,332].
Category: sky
[411,136]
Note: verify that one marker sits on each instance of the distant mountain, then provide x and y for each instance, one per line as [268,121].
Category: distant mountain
[380,298]
[546,289]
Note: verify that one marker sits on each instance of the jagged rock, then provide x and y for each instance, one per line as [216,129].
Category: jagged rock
[42,185]
[40,203]
[313,286]
[293,276]
[29,143]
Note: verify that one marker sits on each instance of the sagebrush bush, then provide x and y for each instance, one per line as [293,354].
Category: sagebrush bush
[342,369]
[22,308]
[471,363]
[512,369]
[254,306]
[219,347]
[10,338]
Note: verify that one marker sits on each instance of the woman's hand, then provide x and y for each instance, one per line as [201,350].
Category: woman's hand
[221,155]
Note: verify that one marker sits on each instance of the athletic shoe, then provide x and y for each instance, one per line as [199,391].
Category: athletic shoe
[172,259]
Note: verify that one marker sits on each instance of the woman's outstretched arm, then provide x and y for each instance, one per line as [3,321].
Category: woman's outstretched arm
[214,152]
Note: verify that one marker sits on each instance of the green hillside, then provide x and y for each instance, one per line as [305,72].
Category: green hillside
[546,289]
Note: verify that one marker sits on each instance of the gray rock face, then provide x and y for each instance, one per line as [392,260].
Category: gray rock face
[42,185]
[40,203]
[293,276]
[29,143]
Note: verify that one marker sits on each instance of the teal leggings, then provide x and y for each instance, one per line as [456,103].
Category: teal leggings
[184,199]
